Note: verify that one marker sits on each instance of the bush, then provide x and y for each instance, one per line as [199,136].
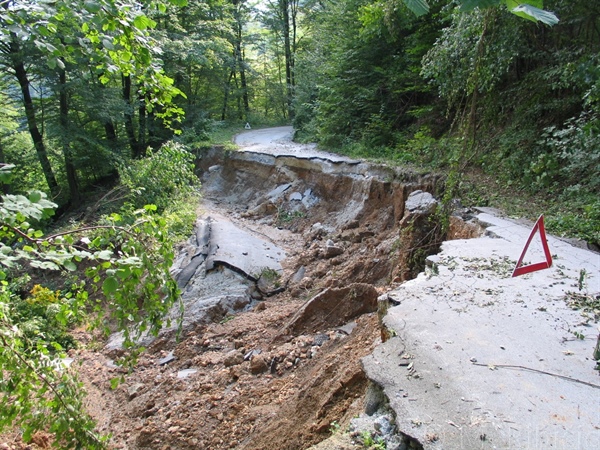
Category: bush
[45,316]
[161,178]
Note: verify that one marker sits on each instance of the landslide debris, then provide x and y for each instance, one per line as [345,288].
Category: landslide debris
[266,371]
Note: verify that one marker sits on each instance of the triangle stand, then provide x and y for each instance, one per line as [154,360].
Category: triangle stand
[522,270]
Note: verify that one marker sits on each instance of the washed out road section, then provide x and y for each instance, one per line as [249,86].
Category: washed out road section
[483,360]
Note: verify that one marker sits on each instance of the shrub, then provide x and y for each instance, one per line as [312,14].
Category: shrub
[161,178]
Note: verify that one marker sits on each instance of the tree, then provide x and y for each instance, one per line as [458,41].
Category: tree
[282,19]
[112,38]
[530,10]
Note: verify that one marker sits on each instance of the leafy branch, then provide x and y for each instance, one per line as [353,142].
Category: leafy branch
[530,9]
[128,260]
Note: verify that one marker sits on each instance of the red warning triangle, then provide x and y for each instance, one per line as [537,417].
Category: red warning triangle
[522,270]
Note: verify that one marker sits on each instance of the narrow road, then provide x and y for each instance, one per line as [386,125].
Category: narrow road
[278,141]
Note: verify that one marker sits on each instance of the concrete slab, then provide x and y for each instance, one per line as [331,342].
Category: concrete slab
[494,361]
[241,250]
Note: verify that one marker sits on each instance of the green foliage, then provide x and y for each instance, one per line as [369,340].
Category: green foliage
[472,54]
[46,316]
[37,392]
[128,261]
[372,442]
[584,223]
[530,10]
[163,177]
[570,155]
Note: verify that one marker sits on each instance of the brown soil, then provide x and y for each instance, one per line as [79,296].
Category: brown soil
[306,376]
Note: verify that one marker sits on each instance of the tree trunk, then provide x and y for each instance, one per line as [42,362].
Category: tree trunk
[3,186]
[142,127]
[284,6]
[226,96]
[239,57]
[111,133]
[38,141]
[129,128]
[75,196]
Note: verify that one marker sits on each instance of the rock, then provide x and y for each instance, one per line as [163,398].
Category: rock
[334,307]
[332,250]
[134,390]
[320,339]
[167,359]
[295,196]
[214,168]
[258,364]
[233,358]
[183,374]
[347,328]
[278,191]
[260,306]
[420,202]
[309,199]
[298,276]
[251,353]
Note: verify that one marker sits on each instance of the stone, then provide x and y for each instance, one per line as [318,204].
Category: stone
[295,196]
[278,191]
[309,199]
[331,251]
[420,202]
[320,339]
[233,358]
[334,307]
[298,276]
[347,328]
[183,374]
[258,365]
[134,390]
[167,359]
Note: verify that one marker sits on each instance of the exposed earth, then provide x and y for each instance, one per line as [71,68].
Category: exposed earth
[281,282]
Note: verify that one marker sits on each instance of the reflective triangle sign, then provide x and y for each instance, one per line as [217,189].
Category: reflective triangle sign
[522,270]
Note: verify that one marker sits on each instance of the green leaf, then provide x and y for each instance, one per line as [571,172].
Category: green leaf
[418,7]
[178,2]
[104,254]
[92,6]
[535,14]
[470,5]
[35,196]
[143,22]
[70,266]
[110,286]
[512,4]
[114,382]
[6,173]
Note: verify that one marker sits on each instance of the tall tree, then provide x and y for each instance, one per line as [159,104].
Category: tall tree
[113,39]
